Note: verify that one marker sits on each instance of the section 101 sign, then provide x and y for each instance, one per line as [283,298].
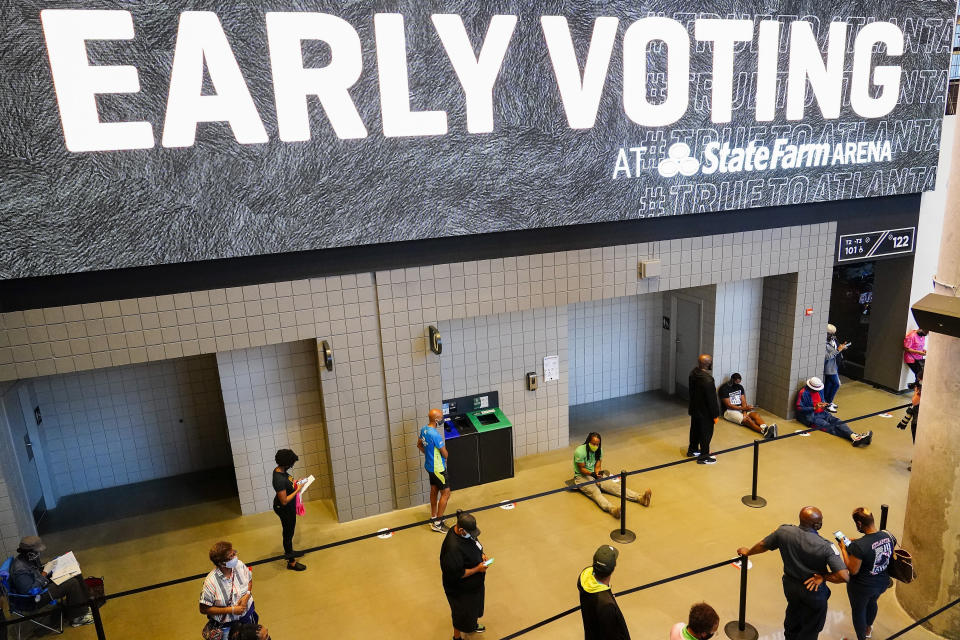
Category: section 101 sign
[148,133]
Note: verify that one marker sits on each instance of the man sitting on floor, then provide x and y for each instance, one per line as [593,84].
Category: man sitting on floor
[736,409]
[587,467]
[811,411]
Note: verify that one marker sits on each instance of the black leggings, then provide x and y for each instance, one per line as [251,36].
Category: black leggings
[288,518]
[73,594]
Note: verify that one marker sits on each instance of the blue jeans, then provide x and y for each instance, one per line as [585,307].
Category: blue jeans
[831,384]
[828,423]
[863,606]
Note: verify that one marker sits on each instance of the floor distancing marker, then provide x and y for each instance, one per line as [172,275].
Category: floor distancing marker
[802,434]
[386,533]
[736,564]
[507,505]
[885,415]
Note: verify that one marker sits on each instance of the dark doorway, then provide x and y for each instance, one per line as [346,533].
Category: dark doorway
[851,299]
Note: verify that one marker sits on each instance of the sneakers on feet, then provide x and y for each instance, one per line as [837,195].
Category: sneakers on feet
[707,460]
[645,498]
[480,628]
[832,407]
[296,566]
[692,454]
[438,526]
[862,439]
[83,620]
[771,432]
[615,512]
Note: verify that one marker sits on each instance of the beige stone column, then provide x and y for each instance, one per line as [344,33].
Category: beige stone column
[932,519]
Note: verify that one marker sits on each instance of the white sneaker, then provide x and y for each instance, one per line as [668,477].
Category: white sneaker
[832,408]
[83,620]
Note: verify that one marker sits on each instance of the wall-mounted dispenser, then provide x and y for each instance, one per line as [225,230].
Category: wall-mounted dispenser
[532,381]
[327,355]
[436,343]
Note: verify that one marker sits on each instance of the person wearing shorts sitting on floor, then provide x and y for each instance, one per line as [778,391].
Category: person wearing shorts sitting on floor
[812,412]
[587,466]
[736,409]
[434,449]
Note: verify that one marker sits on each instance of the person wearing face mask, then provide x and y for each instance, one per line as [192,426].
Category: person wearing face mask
[227,596]
[27,577]
[433,447]
[285,505]
[702,624]
[602,618]
[868,560]
[809,561]
[464,569]
[831,367]
[587,467]
[704,409]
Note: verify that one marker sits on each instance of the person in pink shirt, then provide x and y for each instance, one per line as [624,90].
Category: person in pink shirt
[915,351]
[702,624]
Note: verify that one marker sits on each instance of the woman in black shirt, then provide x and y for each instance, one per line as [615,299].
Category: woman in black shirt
[285,504]
[868,560]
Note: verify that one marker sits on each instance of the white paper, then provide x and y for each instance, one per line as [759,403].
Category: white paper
[484,402]
[551,368]
[305,483]
[63,568]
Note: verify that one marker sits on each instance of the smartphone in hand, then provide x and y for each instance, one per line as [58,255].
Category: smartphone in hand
[489,562]
[839,536]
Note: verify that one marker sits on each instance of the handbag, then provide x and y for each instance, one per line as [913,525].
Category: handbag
[95,590]
[901,566]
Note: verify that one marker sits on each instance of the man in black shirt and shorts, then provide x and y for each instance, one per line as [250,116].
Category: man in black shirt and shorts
[868,559]
[736,409]
[808,561]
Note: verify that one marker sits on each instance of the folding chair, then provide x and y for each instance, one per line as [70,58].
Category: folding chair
[22,605]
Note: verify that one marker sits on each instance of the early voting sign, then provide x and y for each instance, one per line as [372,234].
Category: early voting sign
[142,133]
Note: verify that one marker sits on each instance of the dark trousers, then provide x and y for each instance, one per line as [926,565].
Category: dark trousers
[806,610]
[863,606]
[701,433]
[917,368]
[73,594]
[828,423]
[288,519]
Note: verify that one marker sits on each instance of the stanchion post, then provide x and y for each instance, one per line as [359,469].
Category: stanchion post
[739,629]
[97,620]
[623,535]
[883,516]
[753,500]
[3,625]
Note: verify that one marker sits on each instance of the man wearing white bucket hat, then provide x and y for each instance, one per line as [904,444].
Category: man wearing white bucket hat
[811,411]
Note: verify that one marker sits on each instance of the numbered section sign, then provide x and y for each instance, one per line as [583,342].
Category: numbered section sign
[874,244]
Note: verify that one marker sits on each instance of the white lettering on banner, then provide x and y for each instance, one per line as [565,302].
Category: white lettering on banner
[77,83]
[874,89]
[292,83]
[200,39]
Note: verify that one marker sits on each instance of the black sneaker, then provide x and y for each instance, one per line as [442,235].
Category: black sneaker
[296,566]
[862,439]
[480,628]
[692,454]
[707,460]
[772,429]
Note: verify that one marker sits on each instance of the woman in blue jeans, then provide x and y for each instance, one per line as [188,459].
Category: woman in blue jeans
[831,369]
[868,560]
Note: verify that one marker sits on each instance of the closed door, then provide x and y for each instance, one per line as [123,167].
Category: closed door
[686,342]
[23,447]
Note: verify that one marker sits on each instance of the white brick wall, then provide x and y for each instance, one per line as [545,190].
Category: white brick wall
[271,395]
[614,347]
[736,341]
[121,425]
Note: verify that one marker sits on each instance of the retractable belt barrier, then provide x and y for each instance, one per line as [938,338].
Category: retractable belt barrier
[5,623]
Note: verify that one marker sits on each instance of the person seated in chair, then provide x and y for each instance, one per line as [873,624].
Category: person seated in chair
[736,409]
[27,578]
[587,463]
[812,412]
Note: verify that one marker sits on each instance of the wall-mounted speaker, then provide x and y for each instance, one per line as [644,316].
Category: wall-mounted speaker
[939,314]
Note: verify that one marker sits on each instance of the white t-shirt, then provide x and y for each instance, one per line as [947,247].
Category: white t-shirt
[220,591]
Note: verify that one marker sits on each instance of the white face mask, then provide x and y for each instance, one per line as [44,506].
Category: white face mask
[231,563]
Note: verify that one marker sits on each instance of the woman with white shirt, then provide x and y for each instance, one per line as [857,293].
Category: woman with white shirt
[227,598]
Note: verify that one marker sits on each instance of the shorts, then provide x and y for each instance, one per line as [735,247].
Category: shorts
[733,416]
[438,480]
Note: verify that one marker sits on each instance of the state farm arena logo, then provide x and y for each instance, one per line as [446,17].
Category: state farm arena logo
[722,158]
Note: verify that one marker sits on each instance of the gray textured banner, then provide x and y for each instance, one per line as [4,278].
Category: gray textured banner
[229,193]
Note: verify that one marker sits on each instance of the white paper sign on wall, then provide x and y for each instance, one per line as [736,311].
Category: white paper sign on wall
[551,368]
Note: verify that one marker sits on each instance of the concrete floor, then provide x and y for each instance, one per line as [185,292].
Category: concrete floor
[391,588]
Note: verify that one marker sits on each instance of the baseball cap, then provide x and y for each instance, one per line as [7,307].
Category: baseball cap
[32,543]
[815,383]
[468,523]
[605,559]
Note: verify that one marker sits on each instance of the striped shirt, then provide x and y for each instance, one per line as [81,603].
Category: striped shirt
[221,591]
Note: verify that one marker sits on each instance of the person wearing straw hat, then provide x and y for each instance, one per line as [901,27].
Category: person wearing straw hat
[602,618]
[811,411]
[464,567]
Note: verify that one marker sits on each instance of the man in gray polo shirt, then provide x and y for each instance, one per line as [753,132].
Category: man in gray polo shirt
[808,561]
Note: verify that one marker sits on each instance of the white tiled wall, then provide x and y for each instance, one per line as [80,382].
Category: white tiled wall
[494,353]
[736,343]
[271,395]
[614,347]
[121,425]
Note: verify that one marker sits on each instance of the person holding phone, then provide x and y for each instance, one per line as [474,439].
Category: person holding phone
[464,565]
[285,505]
[812,412]
[868,560]
[831,368]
